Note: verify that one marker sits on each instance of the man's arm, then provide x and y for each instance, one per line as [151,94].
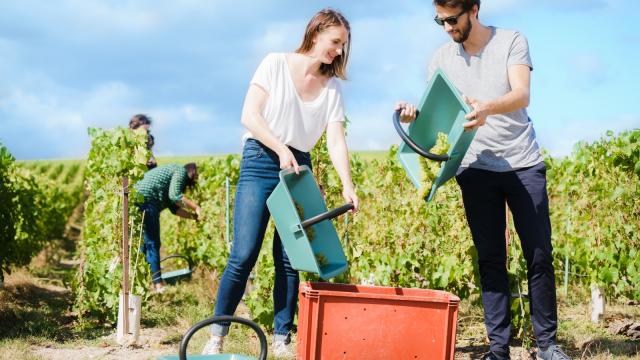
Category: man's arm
[185,214]
[518,98]
[190,204]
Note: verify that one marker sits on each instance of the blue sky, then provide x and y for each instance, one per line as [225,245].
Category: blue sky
[72,64]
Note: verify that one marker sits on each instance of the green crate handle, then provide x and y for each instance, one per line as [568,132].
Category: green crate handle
[224,319]
[327,215]
[415,147]
[190,264]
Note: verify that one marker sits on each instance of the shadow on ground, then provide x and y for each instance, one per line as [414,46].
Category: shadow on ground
[31,309]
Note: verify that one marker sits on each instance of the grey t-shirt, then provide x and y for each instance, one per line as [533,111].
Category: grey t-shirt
[507,141]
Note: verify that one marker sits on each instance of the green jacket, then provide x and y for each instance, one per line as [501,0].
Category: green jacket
[163,186]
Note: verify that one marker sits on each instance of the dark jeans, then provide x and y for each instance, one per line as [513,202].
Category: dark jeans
[151,246]
[259,175]
[525,190]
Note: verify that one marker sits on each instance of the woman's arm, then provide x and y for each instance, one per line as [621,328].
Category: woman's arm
[253,120]
[337,147]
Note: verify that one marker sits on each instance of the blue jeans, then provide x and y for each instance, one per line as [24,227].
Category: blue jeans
[151,246]
[525,190]
[259,175]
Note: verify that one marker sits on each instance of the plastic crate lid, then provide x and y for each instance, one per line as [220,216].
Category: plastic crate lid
[441,109]
[302,189]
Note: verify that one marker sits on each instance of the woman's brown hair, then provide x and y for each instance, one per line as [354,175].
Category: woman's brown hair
[322,20]
[192,174]
[139,120]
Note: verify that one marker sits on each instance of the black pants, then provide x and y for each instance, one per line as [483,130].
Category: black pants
[525,190]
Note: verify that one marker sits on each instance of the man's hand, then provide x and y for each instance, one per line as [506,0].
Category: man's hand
[478,116]
[408,113]
[185,214]
[199,215]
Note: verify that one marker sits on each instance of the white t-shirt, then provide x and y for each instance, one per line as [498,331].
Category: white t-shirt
[294,122]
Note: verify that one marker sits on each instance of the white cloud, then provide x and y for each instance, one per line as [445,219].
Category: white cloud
[105,17]
[389,55]
[58,124]
[500,7]
[54,119]
[279,37]
[178,117]
[370,126]
[195,114]
[40,110]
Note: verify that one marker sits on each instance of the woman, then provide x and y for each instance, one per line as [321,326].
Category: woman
[163,188]
[292,99]
[143,121]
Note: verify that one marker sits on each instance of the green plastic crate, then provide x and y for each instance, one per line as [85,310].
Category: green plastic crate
[441,109]
[172,277]
[208,357]
[182,353]
[303,190]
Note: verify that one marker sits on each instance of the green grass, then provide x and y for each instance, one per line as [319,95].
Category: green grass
[31,164]
[61,171]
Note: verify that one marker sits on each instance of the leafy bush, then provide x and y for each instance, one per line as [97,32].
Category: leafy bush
[33,210]
[114,154]
[397,239]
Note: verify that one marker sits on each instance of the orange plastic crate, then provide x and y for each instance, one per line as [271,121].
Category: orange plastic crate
[339,321]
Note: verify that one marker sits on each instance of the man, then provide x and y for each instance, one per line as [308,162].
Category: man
[491,68]
[163,188]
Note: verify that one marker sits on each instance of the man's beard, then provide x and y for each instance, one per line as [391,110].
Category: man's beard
[464,33]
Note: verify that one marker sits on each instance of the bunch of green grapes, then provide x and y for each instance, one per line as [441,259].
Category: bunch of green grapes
[322,260]
[429,169]
[311,233]
[299,209]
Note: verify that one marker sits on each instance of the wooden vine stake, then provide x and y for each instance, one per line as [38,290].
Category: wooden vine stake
[125,252]
[123,309]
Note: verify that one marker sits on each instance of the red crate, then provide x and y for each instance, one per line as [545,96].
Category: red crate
[339,321]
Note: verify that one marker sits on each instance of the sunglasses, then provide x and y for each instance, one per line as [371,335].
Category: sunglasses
[451,20]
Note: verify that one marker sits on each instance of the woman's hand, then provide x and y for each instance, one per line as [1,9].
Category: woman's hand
[350,196]
[287,159]
[408,113]
[199,215]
